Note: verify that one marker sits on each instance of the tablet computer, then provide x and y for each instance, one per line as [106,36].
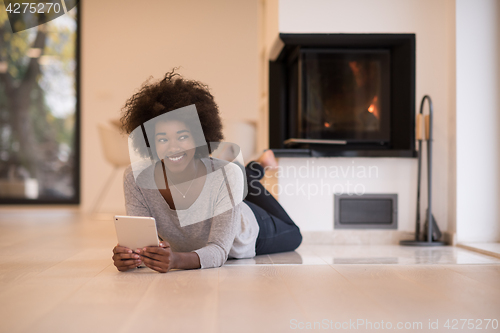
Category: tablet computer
[136,232]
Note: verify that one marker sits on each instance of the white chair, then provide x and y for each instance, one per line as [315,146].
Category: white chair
[115,148]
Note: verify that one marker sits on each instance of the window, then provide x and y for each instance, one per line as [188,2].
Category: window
[39,110]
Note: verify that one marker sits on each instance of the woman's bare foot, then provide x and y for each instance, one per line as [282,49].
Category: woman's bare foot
[267,160]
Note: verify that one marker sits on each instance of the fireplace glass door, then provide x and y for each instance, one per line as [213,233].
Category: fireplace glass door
[344,95]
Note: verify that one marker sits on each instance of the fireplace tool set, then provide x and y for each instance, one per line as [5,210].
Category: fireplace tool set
[431,233]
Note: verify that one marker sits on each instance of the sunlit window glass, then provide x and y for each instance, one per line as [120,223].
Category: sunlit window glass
[38,110]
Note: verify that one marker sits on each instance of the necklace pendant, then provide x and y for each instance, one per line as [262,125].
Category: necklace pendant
[184,196]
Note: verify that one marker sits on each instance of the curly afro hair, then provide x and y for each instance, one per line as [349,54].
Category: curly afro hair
[171,93]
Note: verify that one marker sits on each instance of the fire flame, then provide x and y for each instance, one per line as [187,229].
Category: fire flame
[358,74]
[373,108]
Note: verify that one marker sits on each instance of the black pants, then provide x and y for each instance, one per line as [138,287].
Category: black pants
[277,231]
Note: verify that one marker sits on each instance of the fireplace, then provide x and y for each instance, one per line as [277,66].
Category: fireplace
[343,95]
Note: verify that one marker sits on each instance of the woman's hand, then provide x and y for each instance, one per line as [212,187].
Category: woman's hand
[124,259]
[159,258]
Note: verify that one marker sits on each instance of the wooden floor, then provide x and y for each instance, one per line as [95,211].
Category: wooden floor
[56,275]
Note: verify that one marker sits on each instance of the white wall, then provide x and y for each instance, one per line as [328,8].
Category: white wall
[125,42]
[269,30]
[306,187]
[478,120]
[433,23]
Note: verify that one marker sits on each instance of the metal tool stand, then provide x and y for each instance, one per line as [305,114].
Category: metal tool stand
[430,218]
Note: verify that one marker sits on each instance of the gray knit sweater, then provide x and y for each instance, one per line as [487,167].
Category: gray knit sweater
[232,232]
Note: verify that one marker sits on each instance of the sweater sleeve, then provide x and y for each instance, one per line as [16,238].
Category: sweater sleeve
[135,203]
[226,220]
[220,239]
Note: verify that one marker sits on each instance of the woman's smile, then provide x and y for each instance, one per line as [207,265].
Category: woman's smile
[177,157]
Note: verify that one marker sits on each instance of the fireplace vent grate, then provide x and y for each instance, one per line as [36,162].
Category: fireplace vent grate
[367,211]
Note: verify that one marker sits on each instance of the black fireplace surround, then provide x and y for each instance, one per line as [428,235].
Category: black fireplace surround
[343,95]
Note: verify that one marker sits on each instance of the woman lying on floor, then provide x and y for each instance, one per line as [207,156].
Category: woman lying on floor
[200,214]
